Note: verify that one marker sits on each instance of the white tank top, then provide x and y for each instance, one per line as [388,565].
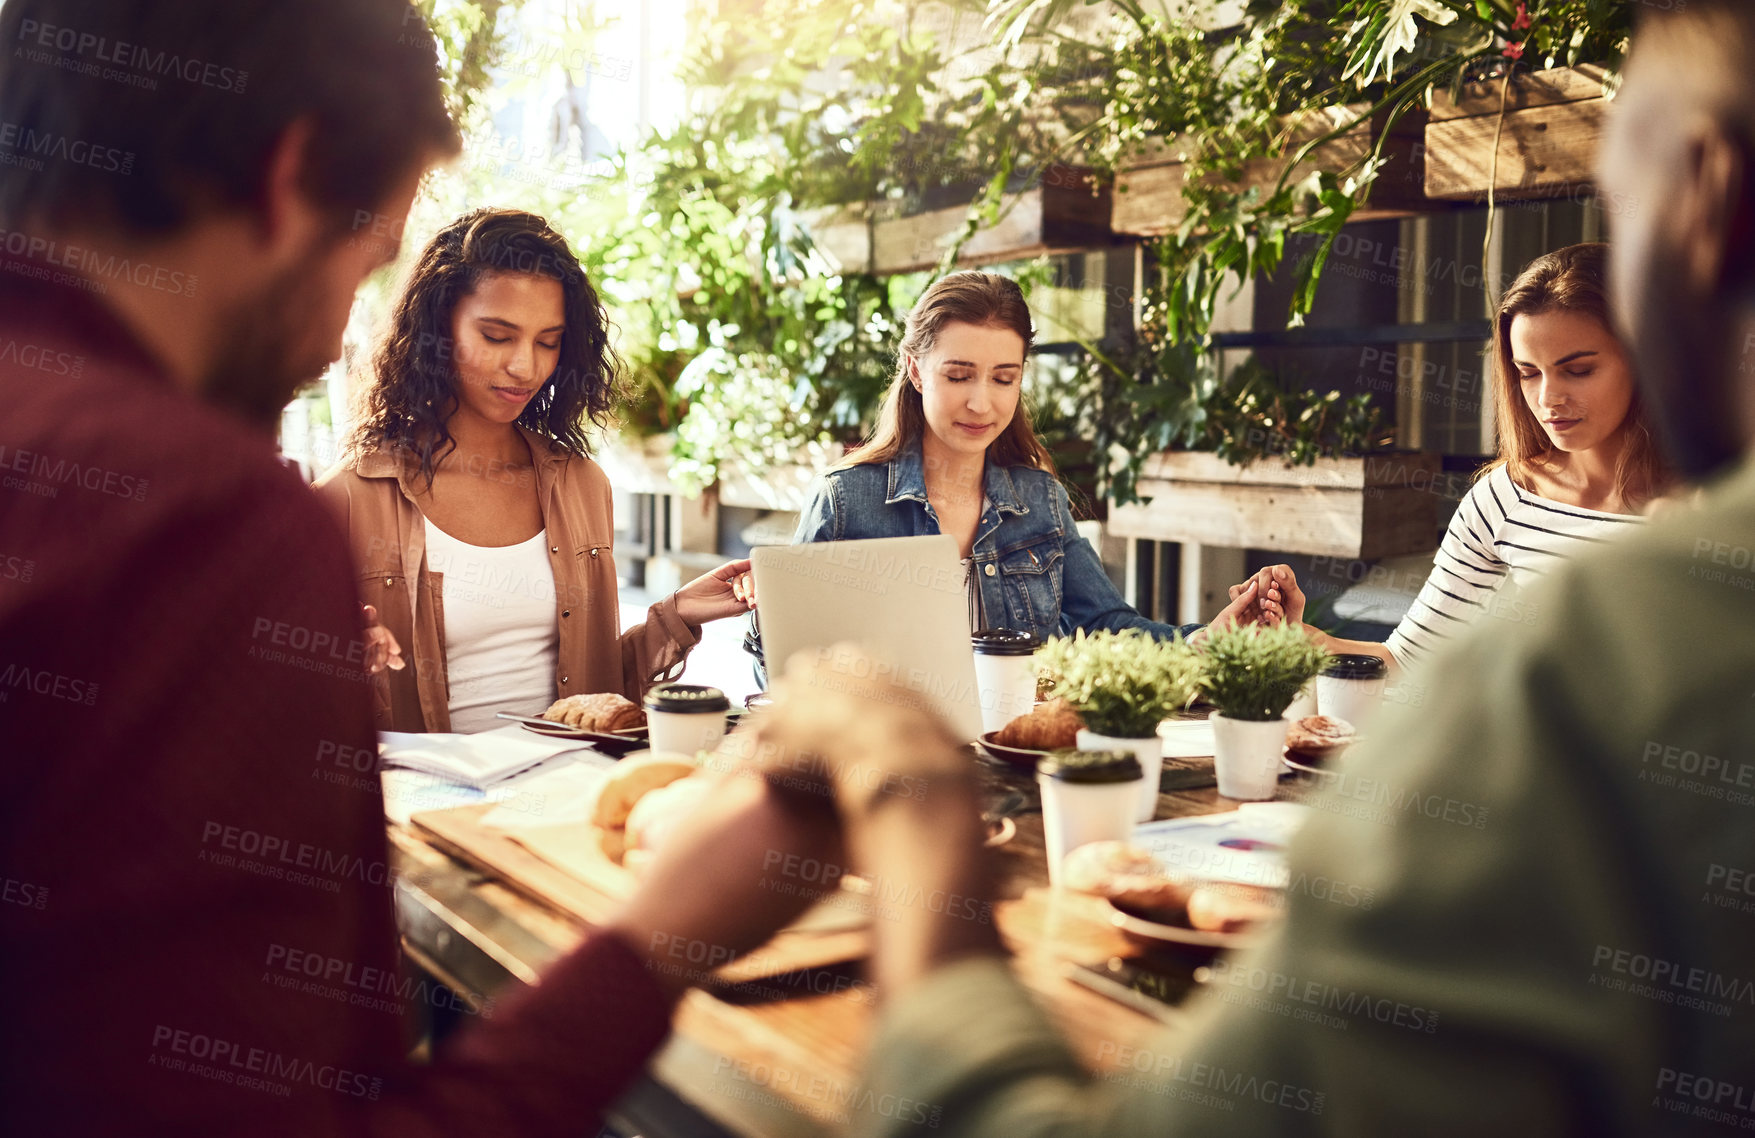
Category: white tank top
[502,642]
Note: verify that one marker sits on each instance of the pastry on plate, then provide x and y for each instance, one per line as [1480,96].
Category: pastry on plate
[599,711]
[1050,726]
[1220,907]
[1127,875]
[1320,735]
[1136,882]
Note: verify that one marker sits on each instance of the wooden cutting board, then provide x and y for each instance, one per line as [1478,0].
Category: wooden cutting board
[566,867]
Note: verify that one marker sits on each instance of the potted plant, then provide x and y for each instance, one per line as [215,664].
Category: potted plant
[1252,674]
[1123,685]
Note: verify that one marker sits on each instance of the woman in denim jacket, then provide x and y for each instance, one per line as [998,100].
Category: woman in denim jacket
[954,453]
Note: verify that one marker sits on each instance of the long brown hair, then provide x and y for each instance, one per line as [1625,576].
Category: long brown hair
[413,390]
[1567,280]
[981,299]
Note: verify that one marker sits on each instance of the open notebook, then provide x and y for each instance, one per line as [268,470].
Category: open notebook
[478,760]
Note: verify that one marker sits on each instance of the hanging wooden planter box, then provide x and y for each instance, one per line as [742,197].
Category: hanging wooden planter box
[1365,508]
[1067,209]
[1547,146]
[842,235]
[1148,194]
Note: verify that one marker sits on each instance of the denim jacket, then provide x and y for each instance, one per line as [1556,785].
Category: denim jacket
[1034,572]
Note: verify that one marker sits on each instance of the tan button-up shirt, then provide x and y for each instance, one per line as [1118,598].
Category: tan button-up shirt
[387,532]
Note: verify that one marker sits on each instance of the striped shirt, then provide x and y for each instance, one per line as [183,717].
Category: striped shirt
[1501,534]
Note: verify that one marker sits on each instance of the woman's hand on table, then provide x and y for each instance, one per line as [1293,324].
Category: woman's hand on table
[382,651]
[728,879]
[726,591]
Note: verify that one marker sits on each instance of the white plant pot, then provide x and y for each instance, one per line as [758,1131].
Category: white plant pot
[1247,756]
[1150,753]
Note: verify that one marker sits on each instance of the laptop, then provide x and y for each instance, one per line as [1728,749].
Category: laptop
[904,600]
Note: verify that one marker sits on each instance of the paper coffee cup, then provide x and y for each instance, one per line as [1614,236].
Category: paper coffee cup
[1351,688]
[685,718]
[1005,671]
[1087,796]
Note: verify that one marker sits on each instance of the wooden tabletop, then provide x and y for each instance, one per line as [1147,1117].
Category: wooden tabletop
[780,1057]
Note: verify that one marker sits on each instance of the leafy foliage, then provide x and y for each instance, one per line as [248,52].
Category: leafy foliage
[1123,683]
[1229,102]
[1254,672]
[730,314]
[1172,397]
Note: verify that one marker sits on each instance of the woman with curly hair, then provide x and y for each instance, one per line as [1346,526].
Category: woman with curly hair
[481,527]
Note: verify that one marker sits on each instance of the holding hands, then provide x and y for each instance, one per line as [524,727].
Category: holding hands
[1271,596]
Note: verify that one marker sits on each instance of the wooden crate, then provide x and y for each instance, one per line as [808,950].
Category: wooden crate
[1365,508]
[1067,210]
[1148,193]
[842,235]
[1553,125]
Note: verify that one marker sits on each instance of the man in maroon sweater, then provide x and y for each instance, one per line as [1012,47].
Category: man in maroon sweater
[193,191]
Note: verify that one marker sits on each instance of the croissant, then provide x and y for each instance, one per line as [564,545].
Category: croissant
[1052,725]
[600,711]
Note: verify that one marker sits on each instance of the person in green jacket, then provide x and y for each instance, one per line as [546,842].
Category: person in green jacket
[1578,956]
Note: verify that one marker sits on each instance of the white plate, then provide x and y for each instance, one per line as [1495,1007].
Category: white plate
[1305,768]
[1179,934]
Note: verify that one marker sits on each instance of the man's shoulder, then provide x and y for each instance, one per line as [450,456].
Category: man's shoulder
[101,468]
[1692,567]
[87,432]
[1657,621]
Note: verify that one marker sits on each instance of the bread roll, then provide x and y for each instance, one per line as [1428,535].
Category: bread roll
[658,812]
[634,778]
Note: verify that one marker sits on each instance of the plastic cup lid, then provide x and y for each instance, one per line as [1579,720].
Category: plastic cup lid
[1356,666]
[1004,642]
[1090,766]
[686,698]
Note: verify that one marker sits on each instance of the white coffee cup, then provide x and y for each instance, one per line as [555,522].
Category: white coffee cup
[1351,688]
[1087,796]
[1005,671]
[685,718]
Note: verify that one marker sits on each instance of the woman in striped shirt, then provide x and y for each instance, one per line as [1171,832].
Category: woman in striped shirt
[1577,463]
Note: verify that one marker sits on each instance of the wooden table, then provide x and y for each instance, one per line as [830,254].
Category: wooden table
[762,1064]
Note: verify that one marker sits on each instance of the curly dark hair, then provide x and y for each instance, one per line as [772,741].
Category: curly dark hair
[414,375]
